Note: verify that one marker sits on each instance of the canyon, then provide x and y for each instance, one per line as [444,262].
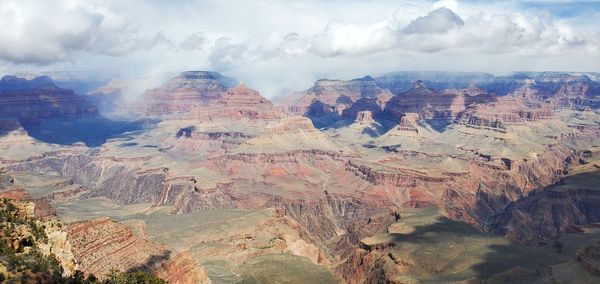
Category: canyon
[405,178]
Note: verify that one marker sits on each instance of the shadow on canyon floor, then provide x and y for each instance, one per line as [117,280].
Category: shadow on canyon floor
[152,262]
[8,128]
[438,125]
[284,268]
[448,250]
[91,130]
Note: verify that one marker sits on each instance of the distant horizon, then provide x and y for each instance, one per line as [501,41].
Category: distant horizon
[499,74]
[137,86]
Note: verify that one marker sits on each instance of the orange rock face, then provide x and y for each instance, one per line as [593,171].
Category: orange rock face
[102,244]
[181,269]
[434,104]
[514,109]
[199,95]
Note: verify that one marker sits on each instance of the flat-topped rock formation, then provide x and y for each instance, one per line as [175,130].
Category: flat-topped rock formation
[337,92]
[470,90]
[371,105]
[14,83]
[408,122]
[290,134]
[433,104]
[200,95]
[31,100]
[184,93]
[55,115]
[364,117]
[199,80]
[580,94]
[515,109]
[399,82]
[328,99]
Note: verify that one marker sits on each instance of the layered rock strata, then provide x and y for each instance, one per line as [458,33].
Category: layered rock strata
[31,100]
[199,95]
[101,245]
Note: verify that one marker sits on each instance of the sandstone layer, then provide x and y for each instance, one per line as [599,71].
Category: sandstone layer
[201,96]
[102,245]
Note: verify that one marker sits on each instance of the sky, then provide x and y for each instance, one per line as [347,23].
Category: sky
[279,46]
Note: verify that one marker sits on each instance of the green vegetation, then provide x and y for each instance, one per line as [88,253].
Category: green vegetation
[19,256]
[272,242]
[284,268]
[137,277]
[21,261]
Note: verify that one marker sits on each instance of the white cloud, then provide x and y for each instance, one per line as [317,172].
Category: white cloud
[280,45]
[193,41]
[438,21]
[46,32]
[354,38]
[226,54]
[443,30]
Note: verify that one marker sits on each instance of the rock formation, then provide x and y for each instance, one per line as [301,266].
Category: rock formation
[31,100]
[328,99]
[408,122]
[101,245]
[508,164]
[181,269]
[433,104]
[549,212]
[364,117]
[200,95]
[364,104]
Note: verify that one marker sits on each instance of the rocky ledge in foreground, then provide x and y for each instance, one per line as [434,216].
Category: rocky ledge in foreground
[38,251]
[46,251]
[102,245]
